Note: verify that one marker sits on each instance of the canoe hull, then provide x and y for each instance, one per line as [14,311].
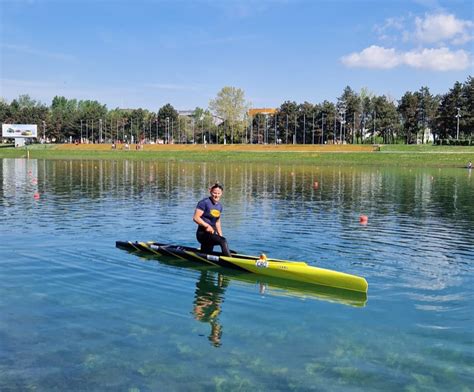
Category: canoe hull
[291,270]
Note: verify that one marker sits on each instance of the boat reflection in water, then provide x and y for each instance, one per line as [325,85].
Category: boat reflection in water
[213,282]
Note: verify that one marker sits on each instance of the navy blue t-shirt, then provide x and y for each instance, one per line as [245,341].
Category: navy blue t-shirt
[212,212]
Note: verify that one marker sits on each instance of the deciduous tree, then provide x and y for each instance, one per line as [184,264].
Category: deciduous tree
[167,119]
[231,106]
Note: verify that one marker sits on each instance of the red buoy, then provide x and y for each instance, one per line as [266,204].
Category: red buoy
[363,219]
[36,196]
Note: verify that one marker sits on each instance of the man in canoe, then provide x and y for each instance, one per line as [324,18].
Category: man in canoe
[208,218]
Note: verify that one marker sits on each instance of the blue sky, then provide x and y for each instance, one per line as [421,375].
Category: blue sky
[145,54]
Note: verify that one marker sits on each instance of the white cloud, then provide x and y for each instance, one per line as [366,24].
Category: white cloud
[439,59]
[435,28]
[441,31]
[373,57]
[432,28]
[390,30]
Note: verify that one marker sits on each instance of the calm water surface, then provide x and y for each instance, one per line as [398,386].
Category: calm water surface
[78,314]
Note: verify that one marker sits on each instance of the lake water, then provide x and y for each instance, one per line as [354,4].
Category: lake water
[77,314]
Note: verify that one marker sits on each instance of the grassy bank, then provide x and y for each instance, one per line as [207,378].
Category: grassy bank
[390,155]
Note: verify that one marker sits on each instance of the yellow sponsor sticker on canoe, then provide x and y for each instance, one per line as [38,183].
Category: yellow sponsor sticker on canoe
[215,213]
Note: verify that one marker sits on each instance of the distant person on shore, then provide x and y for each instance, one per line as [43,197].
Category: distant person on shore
[469,165]
[208,218]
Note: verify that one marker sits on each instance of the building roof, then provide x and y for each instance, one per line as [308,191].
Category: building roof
[255,111]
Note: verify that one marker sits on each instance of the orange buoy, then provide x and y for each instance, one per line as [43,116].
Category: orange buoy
[363,219]
[36,196]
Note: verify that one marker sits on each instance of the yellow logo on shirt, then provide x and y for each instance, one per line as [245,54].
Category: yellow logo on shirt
[215,213]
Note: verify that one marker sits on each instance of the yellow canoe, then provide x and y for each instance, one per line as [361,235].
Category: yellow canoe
[283,269]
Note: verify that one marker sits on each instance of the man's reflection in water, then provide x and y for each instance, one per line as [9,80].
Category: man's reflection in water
[210,290]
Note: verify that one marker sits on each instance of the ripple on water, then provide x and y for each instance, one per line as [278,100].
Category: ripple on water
[77,313]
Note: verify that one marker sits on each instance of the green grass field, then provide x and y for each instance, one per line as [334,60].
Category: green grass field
[389,155]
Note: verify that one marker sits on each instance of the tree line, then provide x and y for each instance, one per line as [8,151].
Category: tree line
[356,117]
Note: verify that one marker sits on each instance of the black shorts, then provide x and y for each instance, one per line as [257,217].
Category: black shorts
[208,241]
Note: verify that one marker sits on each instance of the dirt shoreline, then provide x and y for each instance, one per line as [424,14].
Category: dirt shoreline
[220,147]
